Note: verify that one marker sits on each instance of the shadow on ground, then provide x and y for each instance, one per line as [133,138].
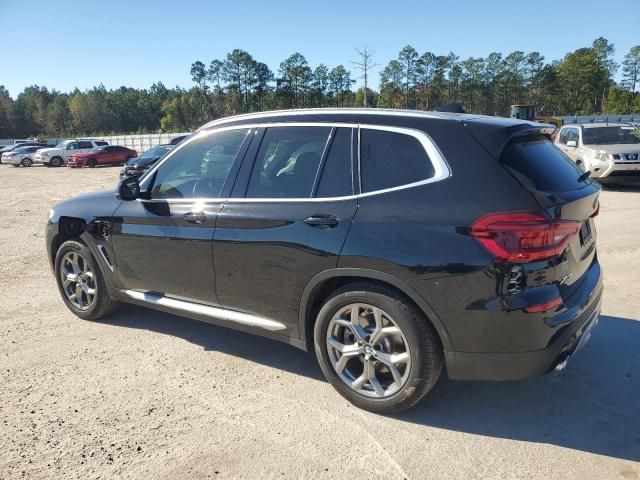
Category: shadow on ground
[593,406]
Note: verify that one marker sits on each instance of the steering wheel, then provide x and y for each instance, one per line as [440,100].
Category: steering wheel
[203,188]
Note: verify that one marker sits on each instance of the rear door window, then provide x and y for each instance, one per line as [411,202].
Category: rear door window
[336,178]
[391,159]
[287,162]
[539,165]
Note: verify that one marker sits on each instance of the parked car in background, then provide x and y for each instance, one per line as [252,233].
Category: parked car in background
[138,165]
[607,150]
[101,156]
[21,156]
[11,148]
[397,244]
[60,154]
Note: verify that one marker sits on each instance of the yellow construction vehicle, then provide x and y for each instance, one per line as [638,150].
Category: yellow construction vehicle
[528,112]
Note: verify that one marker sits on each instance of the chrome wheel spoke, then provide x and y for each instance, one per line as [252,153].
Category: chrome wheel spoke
[392,361]
[367,333]
[78,281]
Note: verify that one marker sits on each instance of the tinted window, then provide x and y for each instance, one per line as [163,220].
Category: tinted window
[72,146]
[541,166]
[287,162]
[199,168]
[390,159]
[100,144]
[336,179]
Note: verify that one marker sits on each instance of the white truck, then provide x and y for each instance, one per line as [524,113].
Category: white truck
[59,155]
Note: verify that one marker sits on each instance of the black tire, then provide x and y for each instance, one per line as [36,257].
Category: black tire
[102,304]
[91,163]
[26,162]
[425,349]
[56,162]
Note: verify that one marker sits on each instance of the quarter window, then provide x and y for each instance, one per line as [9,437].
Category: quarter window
[200,168]
[287,162]
[391,159]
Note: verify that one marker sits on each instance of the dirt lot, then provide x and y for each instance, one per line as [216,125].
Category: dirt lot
[150,395]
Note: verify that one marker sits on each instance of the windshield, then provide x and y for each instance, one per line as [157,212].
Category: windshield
[610,135]
[156,151]
[62,144]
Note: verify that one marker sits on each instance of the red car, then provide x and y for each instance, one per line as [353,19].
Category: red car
[107,155]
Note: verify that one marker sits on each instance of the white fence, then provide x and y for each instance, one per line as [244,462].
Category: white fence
[140,143]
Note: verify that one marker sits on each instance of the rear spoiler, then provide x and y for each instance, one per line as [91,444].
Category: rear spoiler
[495,134]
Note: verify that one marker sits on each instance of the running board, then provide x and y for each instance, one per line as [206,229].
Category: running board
[206,310]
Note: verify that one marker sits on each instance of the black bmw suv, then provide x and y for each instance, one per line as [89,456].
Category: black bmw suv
[394,243]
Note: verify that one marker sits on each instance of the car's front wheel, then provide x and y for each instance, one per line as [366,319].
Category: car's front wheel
[91,163]
[81,283]
[27,162]
[56,162]
[376,348]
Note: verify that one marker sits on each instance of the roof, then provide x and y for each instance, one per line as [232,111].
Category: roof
[391,112]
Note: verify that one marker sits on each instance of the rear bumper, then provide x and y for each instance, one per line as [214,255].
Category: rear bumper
[523,365]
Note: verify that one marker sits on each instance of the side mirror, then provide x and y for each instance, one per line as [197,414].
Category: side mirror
[572,144]
[129,188]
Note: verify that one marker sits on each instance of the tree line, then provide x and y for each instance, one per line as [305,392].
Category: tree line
[581,83]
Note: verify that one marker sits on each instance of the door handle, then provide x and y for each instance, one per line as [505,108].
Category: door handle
[322,221]
[197,218]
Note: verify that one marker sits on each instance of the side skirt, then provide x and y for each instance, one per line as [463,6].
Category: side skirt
[219,316]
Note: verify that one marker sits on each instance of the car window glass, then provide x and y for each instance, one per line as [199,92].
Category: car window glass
[287,162]
[72,146]
[336,179]
[100,144]
[199,168]
[391,159]
[83,145]
[563,136]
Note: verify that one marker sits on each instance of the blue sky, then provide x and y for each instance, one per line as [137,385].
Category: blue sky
[65,44]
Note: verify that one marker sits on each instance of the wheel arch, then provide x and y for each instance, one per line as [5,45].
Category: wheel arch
[322,284]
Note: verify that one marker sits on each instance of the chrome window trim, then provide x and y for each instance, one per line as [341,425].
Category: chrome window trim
[440,165]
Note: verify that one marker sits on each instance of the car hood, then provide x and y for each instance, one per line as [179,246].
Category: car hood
[88,206]
[141,161]
[616,149]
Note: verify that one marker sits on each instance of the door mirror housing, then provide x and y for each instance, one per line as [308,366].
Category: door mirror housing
[129,188]
[572,144]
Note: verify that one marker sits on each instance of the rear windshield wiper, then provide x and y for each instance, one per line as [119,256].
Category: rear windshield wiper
[584,176]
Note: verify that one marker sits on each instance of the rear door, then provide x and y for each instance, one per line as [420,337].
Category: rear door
[287,220]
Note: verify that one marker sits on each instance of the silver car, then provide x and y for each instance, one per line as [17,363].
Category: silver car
[608,150]
[21,156]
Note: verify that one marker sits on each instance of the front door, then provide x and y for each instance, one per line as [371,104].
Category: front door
[163,244]
[287,220]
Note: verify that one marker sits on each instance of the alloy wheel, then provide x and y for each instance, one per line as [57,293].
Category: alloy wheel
[78,280]
[368,350]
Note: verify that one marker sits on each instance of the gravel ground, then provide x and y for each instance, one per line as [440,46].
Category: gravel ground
[144,394]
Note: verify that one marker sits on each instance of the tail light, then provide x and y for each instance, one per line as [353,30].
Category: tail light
[522,237]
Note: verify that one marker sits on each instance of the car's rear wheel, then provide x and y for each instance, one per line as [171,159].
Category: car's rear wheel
[81,283]
[376,348]
[27,162]
[91,163]
[56,162]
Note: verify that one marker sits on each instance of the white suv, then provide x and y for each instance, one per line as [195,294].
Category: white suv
[606,149]
[59,155]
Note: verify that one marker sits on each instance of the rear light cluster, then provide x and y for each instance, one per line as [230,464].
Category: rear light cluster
[522,237]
